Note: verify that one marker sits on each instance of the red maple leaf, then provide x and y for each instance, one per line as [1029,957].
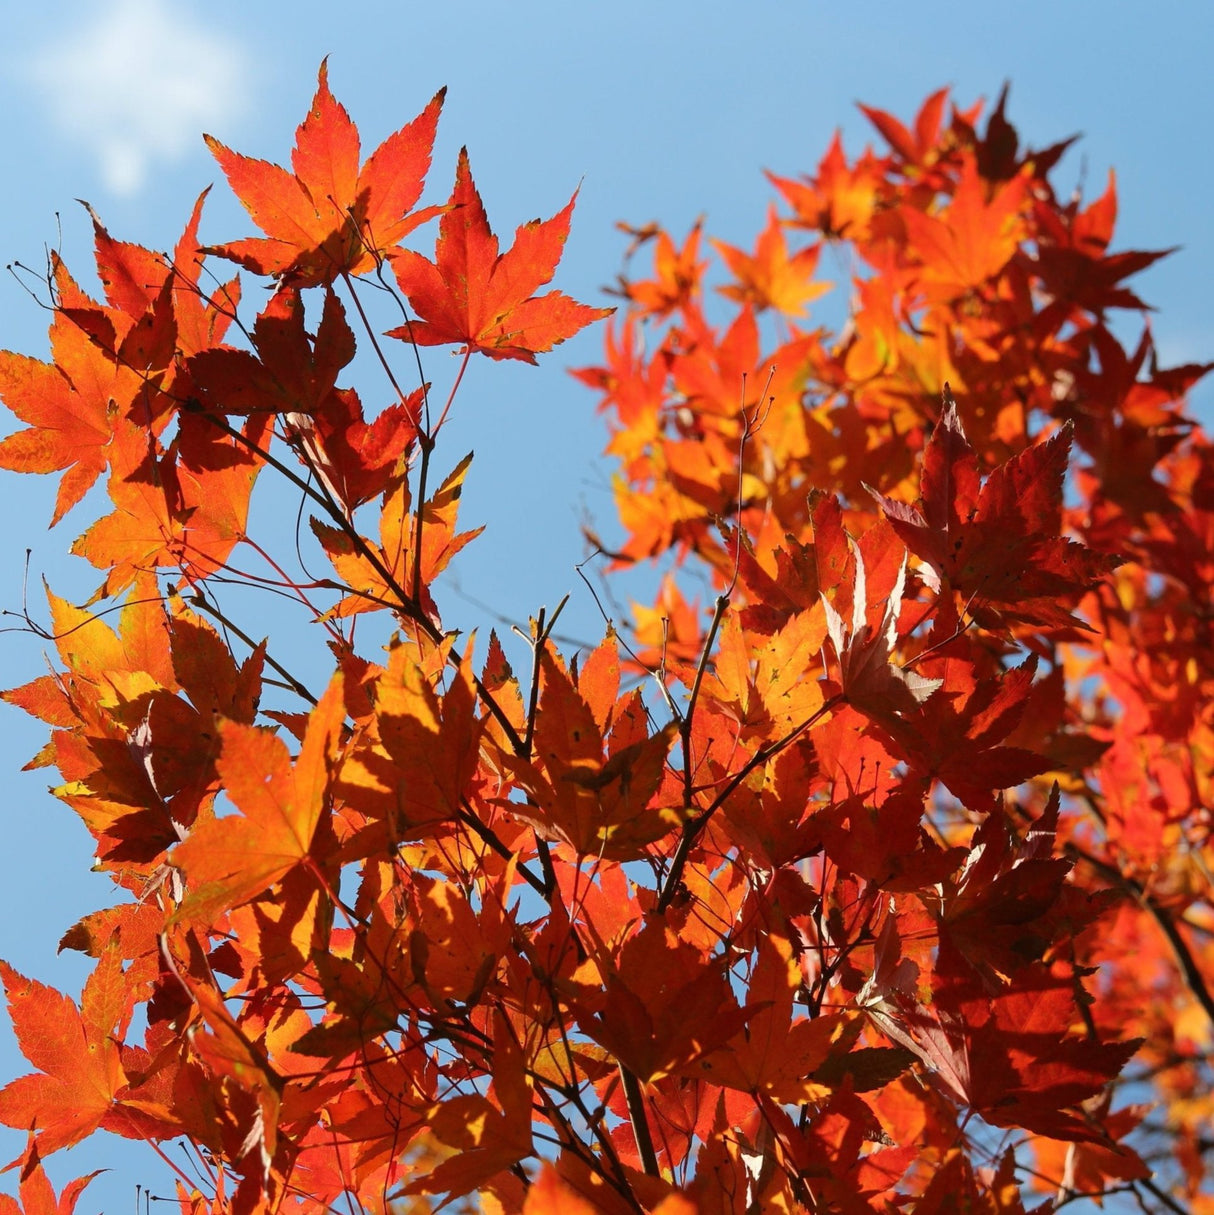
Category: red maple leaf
[472,294]
[998,542]
[292,371]
[329,217]
[1015,1056]
[915,148]
[1074,261]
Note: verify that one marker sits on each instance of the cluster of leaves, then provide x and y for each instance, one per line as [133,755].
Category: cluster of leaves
[771,937]
[1004,634]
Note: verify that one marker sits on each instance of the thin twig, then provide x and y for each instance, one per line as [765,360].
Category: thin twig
[635,1101]
[197,600]
[1191,972]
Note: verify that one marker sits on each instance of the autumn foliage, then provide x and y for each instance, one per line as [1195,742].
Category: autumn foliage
[875,878]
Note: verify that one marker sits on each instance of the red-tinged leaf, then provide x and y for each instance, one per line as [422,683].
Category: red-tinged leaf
[76,1051]
[135,925]
[292,372]
[131,276]
[328,218]
[659,1006]
[1074,261]
[599,804]
[669,631]
[37,1195]
[882,838]
[499,679]
[871,681]
[952,1186]
[207,671]
[186,515]
[914,150]
[598,681]
[677,272]
[473,295]
[357,460]
[202,316]
[950,484]
[839,200]
[958,734]
[228,861]
[326,149]
[137,332]
[390,581]
[1000,547]
[246,1090]
[1089,1167]
[549,1194]
[1009,904]
[763,683]
[1018,1057]
[44,698]
[996,152]
[440,540]
[453,951]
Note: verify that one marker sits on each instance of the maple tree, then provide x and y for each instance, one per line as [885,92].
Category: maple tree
[880,883]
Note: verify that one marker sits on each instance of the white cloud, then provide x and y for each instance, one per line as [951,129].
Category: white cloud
[137,84]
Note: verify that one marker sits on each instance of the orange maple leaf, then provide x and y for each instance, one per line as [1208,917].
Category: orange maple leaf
[598,804]
[416,772]
[365,581]
[71,404]
[658,1005]
[37,1194]
[771,278]
[472,294]
[75,1050]
[677,272]
[839,201]
[917,149]
[778,1053]
[186,512]
[228,861]
[488,1135]
[550,1194]
[973,238]
[329,217]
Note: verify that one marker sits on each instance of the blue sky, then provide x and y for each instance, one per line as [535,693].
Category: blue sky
[662,110]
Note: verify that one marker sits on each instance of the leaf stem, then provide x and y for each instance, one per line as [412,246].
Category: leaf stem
[370,332]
